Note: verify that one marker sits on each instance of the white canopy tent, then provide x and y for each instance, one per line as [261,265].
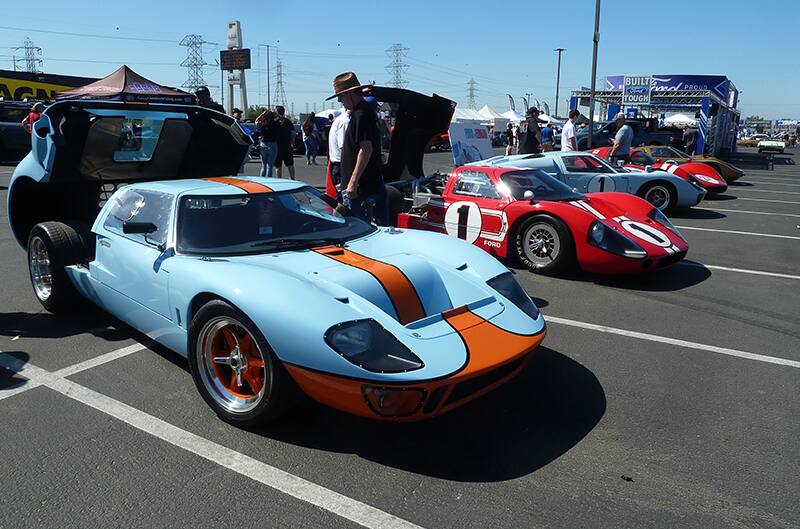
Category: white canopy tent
[551,120]
[513,116]
[494,118]
[679,120]
[469,115]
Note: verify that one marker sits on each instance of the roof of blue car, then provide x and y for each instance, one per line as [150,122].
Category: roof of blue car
[222,186]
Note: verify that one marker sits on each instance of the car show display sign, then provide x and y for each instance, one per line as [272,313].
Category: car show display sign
[636,90]
[470,143]
[234,59]
[717,84]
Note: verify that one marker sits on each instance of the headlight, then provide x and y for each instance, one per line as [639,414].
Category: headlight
[368,345]
[662,219]
[614,242]
[508,287]
[692,179]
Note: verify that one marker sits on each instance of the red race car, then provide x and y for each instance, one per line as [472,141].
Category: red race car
[529,215]
[703,174]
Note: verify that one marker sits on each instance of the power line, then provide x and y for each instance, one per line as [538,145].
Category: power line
[194,61]
[94,35]
[397,67]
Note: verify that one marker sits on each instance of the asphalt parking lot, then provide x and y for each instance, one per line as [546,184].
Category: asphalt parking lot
[662,400]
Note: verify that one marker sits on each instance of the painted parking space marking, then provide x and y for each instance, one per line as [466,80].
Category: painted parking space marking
[740,270]
[673,341]
[740,232]
[750,212]
[768,183]
[67,371]
[244,465]
[768,200]
[767,191]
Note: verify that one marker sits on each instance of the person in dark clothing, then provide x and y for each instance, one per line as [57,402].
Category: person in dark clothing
[362,181]
[204,99]
[690,139]
[267,124]
[284,137]
[532,141]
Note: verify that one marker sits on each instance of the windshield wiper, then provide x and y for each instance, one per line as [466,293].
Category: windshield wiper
[297,241]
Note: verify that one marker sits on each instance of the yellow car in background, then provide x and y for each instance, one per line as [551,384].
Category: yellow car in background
[663,153]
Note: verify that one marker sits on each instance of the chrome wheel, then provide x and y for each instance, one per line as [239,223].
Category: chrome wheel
[542,244]
[659,196]
[39,266]
[231,364]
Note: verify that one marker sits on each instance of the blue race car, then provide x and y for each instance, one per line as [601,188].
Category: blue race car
[263,285]
[587,173]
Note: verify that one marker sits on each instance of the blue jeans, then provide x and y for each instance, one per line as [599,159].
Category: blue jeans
[312,148]
[372,207]
[269,152]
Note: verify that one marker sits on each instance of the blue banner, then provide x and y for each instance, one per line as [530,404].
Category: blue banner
[717,84]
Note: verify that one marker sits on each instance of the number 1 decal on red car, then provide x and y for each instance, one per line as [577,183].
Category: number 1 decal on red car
[463,220]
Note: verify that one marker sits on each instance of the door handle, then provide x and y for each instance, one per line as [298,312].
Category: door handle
[105,243]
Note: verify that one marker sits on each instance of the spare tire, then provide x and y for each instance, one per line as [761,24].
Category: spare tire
[52,246]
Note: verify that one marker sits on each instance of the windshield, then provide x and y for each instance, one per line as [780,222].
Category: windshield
[544,186]
[680,153]
[261,223]
[642,158]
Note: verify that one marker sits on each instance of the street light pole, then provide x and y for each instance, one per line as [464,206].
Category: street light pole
[595,39]
[558,77]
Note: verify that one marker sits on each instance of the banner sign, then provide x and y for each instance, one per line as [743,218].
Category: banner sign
[636,90]
[470,143]
[717,84]
[787,123]
[234,59]
[18,86]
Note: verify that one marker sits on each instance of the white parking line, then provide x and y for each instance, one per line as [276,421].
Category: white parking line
[739,232]
[740,270]
[294,486]
[767,200]
[750,212]
[673,341]
[766,183]
[767,191]
[67,371]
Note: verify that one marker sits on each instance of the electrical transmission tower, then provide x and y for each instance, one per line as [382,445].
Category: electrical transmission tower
[32,63]
[194,61]
[471,91]
[397,67]
[280,92]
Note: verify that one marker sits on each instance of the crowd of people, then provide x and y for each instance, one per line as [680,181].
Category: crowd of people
[534,135]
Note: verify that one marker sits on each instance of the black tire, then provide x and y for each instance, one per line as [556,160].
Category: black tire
[84,240]
[55,243]
[396,203]
[562,244]
[652,192]
[279,390]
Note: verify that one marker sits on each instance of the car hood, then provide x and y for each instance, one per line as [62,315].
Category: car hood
[84,141]
[418,118]
[370,275]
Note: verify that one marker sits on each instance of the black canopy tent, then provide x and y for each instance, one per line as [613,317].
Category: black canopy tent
[127,85]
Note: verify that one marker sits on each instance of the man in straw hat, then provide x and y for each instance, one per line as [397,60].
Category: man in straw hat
[362,182]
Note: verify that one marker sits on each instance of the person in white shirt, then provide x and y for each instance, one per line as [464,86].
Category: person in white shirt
[568,142]
[335,143]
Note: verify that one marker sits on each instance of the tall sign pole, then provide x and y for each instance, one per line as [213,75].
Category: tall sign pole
[235,43]
[269,97]
[558,77]
[596,39]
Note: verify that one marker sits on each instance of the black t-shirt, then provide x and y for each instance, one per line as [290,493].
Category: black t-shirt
[530,144]
[267,131]
[690,138]
[363,126]
[283,129]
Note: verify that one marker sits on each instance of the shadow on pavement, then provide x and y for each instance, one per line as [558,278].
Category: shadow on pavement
[46,325]
[676,277]
[739,183]
[722,197]
[9,380]
[513,431]
[692,213]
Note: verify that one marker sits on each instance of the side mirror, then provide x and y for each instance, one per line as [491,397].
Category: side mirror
[620,163]
[139,227]
[528,195]
[648,168]
[671,161]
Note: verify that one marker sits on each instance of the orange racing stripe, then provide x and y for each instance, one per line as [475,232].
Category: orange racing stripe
[401,292]
[241,183]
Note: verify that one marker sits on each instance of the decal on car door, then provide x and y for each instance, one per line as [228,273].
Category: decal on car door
[601,183]
[463,220]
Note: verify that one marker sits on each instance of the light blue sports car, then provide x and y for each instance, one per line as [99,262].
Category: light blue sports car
[589,174]
[262,284]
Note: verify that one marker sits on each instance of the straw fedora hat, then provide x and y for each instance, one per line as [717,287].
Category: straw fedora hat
[345,82]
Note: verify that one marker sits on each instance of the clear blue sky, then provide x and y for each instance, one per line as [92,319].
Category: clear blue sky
[505,46]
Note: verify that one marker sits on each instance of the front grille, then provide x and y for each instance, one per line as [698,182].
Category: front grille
[671,259]
[434,399]
[473,385]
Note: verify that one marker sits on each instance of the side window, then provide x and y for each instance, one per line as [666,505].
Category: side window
[585,164]
[140,206]
[638,157]
[475,184]
[137,139]
[662,153]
